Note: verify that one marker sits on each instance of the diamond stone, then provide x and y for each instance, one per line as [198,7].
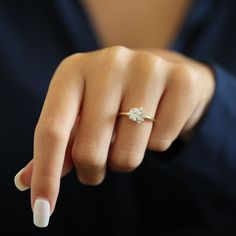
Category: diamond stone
[136,114]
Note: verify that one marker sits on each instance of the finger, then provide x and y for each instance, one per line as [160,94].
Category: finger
[143,91]
[94,134]
[176,106]
[52,134]
[23,177]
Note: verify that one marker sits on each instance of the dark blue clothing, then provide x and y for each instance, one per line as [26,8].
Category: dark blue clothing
[188,190]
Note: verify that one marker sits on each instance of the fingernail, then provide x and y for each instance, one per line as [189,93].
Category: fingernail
[18,182]
[41,212]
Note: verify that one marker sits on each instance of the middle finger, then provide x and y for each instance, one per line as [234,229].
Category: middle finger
[94,133]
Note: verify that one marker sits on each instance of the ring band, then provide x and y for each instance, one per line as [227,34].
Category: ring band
[137,114]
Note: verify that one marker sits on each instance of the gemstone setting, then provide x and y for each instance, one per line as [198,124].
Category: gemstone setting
[136,114]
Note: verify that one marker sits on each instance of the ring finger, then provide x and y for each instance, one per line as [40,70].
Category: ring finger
[131,137]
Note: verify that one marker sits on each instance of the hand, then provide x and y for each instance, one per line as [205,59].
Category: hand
[78,126]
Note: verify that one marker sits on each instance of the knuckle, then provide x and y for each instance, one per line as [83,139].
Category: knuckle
[183,77]
[50,131]
[85,157]
[181,69]
[126,160]
[159,145]
[108,62]
[145,56]
[183,74]
[112,63]
[117,55]
[71,59]
[145,61]
[93,181]
[146,69]
[118,49]
[69,65]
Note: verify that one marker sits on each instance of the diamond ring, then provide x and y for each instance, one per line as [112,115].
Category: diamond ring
[137,114]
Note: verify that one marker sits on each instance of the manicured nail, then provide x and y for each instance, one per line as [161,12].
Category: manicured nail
[41,212]
[18,182]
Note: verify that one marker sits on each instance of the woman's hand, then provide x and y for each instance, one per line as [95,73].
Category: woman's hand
[79,126]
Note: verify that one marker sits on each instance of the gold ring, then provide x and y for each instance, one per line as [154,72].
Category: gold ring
[137,114]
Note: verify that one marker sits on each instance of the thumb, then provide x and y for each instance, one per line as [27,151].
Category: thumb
[23,177]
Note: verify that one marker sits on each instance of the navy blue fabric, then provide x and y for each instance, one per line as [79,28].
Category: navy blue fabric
[187,190]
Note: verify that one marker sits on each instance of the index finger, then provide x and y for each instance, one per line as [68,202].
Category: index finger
[58,116]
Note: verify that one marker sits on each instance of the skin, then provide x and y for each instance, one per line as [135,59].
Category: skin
[143,21]
[79,127]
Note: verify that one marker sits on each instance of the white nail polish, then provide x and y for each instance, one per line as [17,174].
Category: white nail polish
[41,212]
[18,182]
